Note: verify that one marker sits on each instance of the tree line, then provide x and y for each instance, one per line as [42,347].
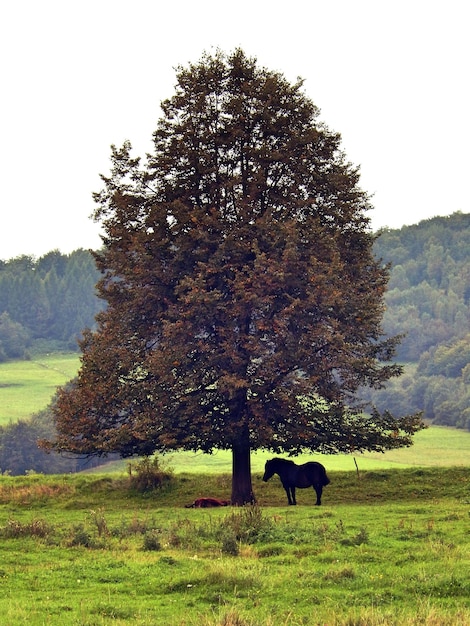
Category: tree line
[46,303]
[49,301]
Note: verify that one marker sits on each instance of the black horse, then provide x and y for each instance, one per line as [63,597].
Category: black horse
[311,474]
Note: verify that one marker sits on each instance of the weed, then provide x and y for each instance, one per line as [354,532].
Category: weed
[152,541]
[337,575]
[230,545]
[360,538]
[185,534]
[34,528]
[99,520]
[80,537]
[248,524]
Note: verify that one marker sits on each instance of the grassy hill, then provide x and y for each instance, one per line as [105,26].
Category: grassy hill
[27,387]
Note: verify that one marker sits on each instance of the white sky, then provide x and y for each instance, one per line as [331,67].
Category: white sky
[391,77]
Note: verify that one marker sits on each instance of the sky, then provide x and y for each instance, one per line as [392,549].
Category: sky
[76,77]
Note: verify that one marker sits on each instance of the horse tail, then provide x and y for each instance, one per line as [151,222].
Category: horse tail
[325,479]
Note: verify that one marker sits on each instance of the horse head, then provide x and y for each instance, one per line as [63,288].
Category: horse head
[269,470]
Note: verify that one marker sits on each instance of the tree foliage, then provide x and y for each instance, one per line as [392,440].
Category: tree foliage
[244,300]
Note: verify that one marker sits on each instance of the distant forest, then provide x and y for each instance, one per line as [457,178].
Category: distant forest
[428,302]
[45,304]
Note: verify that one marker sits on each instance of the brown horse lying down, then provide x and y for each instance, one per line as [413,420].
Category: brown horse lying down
[206,503]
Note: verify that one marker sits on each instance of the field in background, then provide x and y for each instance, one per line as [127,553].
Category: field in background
[436,446]
[27,387]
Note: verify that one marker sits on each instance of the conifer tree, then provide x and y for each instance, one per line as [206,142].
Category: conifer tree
[244,301]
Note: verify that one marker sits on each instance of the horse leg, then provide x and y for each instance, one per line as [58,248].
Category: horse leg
[318,491]
[294,501]
[289,501]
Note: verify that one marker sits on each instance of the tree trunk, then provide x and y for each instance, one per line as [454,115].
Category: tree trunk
[242,490]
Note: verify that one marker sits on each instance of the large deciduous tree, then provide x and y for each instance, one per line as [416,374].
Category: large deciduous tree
[244,301]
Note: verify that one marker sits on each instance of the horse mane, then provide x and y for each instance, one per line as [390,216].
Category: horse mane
[278,460]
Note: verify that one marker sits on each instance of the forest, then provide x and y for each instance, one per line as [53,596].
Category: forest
[428,303]
[46,303]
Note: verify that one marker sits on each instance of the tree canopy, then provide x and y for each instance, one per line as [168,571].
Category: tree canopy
[244,302]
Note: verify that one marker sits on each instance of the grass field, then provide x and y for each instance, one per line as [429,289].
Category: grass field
[27,387]
[390,548]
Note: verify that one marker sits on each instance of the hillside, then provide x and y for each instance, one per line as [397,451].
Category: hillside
[428,303]
[429,289]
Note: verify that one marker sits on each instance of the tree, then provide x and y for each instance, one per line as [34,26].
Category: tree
[13,338]
[20,453]
[244,301]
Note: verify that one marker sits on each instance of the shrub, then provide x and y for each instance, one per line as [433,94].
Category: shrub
[148,475]
[80,537]
[35,528]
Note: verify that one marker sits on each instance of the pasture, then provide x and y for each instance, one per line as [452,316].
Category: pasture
[436,446]
[387,547]
[390,545]
[27,387]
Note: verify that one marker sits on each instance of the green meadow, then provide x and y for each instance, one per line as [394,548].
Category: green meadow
[388,547]
[27,387]
[434,447]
